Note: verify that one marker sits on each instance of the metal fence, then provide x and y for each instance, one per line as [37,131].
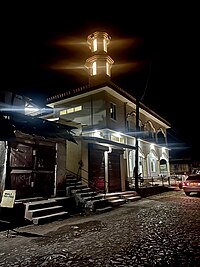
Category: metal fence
[172,180]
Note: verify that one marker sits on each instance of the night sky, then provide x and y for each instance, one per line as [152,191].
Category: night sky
[154,48]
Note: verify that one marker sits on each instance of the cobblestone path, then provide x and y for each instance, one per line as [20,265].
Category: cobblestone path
[161,230]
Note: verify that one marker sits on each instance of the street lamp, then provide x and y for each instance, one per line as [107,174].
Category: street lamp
[137,129]
[138,99]
[136,145]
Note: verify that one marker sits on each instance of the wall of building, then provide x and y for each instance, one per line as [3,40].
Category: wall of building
[3,159]
[95,114]
[84,172]
[123,167]
[153,154]
[60,175]
[92,113]
[73,156]
[120,123]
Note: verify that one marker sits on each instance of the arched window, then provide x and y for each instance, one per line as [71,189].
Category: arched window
[152,161]
[161,137]
[149,131]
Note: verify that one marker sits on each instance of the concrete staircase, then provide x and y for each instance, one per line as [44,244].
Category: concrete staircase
[43,211]
[130,196]
[87,200]
[79,197]
[120,198]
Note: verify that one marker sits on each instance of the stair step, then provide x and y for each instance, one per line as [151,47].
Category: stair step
[49,218]
[133,198]
[119,194]
[128,192]
[112,198]
[76,187]
[40,204]
[107,195]
[71,176]
[31,214]
[127,195]
[105,209]
[81,190]
[100,203]
[117,202]
[87,194]
[31,199]
[73,182]
[92,198]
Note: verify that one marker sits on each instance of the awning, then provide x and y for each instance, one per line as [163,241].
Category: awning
[12,122]
[91,139]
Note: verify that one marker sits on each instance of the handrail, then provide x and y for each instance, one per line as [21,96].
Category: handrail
[153,181]
[91,184]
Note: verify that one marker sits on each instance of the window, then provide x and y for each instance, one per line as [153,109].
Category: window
[163,165]
[78,108]
[70,110]
[117,139]
[95,45]
[193,177]
[113,111]
[104,45]
[94,68]
[153,165]
[63,112]
[107,69]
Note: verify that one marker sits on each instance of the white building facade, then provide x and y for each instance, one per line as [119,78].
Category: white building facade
[106,132]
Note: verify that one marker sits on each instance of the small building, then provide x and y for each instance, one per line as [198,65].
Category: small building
[28,149]
[108,132]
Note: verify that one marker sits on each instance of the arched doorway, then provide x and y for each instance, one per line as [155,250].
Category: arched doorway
[163,167]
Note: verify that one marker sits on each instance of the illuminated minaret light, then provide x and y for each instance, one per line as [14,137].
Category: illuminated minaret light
[99,64]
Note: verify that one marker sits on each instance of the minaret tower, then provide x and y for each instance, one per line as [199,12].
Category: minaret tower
[99,64]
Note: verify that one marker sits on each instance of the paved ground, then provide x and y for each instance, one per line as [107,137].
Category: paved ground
[160,230]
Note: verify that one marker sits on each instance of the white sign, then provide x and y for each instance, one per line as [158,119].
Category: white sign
[8,198]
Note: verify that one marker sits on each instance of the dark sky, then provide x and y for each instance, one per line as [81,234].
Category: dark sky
[43,52]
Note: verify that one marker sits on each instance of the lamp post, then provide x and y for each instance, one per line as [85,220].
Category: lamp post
[136,145]
[138,99]
[137,129]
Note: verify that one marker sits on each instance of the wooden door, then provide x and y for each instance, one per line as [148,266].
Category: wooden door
[31,170]
[114,172]
[96,168]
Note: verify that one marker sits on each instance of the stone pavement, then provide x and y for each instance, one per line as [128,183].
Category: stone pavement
[160,230]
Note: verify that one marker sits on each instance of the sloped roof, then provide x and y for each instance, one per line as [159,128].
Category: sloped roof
[97,140]
[12,122]
[110,84]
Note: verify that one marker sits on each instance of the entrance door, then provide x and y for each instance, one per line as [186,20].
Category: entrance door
[31,170]
[44,170]
[163,167]
[114,173]
[96,169]
[20,170]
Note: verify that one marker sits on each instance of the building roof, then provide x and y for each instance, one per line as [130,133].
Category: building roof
[88,88]
[12,122]
[97,140]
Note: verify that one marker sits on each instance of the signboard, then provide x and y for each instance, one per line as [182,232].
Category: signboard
[8,198]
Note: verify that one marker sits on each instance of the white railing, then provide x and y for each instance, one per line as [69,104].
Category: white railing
[155,181]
